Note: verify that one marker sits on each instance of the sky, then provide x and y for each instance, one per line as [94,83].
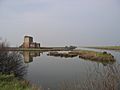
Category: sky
[61,22]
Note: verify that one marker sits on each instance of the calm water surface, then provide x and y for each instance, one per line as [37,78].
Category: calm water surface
[51,72]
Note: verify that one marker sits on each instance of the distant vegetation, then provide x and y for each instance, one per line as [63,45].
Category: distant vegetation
[107,47]
[70,47]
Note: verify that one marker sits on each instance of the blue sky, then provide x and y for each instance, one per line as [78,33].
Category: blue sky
[61,22]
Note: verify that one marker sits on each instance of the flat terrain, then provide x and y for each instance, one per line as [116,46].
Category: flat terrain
[34,49]
[107,47]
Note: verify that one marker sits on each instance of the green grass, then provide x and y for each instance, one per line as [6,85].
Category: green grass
[9,82]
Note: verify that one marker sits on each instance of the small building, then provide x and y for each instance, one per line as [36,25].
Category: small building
[37,45]
[28,43]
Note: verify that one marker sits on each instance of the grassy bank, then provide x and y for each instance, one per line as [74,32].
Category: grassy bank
[92,55]
[107,47]
[9,82]
[85,54]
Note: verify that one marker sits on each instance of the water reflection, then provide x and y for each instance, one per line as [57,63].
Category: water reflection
[105,78]
[104,63]
[29,55]
[75,73]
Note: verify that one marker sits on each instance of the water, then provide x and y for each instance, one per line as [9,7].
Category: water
[51,72]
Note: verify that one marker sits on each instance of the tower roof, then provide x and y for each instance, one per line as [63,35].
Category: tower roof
[28,37]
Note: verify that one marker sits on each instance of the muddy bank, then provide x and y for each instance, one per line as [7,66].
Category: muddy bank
[57,54]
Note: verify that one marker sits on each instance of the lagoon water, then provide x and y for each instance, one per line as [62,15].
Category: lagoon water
[53,73]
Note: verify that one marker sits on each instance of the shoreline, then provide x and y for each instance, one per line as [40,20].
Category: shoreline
[32,49]
[38,49]
[115,48]
[86,54]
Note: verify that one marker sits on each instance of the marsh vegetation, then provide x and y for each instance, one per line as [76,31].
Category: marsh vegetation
[47,70]
[12,71]
[85,54]
[108,79]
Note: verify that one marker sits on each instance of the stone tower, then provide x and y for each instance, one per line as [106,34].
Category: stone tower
[27,41]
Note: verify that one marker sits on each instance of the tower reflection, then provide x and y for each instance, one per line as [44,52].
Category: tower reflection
[29,55]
